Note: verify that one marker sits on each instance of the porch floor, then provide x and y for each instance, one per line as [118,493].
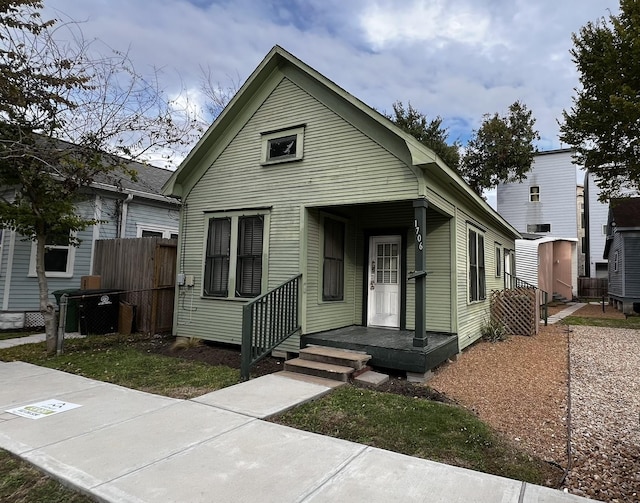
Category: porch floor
[389,348]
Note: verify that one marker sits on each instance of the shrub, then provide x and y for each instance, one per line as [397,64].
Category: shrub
[493,330]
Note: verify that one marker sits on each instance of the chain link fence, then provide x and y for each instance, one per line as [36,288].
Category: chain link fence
[107,311]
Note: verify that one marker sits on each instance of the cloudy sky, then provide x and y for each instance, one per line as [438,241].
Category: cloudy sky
[458,59]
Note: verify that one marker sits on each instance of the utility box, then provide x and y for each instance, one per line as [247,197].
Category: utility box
[90,282]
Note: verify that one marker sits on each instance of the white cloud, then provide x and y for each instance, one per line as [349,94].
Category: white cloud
[438,21]
[458,59]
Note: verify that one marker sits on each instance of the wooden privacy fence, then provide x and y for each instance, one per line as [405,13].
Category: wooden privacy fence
[145,270]
[593,287]
[517,309]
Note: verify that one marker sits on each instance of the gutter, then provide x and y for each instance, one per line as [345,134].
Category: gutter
[123,215]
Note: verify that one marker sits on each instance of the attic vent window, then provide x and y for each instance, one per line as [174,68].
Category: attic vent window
[282,146]
[535,228]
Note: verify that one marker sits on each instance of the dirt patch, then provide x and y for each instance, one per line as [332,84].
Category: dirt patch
[518,386]
[595,311]
[215,354]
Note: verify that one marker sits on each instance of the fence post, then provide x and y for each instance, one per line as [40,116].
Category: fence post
[62,319]
[246,348]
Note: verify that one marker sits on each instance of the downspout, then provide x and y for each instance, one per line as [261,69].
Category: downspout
[123,215]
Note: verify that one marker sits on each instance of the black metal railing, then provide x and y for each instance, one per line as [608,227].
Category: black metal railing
[511,281]
[269,320]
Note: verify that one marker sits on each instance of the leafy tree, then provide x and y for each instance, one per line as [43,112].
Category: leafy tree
[603,125]
[429,133]
[501,150]
[66,116]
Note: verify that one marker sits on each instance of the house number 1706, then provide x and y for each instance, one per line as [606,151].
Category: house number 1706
[418,235]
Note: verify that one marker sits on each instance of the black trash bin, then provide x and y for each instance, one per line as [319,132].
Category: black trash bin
[71,320]
[99,311]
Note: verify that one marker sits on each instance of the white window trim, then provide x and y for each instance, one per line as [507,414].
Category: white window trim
[266,137]
[233,251]
[71,257]
[531,194]
[166,231]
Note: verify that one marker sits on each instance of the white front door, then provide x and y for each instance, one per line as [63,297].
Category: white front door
[383,306]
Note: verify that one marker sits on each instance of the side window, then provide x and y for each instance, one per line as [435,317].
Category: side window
[498,260]
[249,268]
[155,231]
[233,257]
[216,269]
[333,261]
[477,279]
[58,257]
[534,194]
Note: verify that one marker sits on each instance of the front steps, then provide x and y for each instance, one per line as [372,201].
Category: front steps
[328,363]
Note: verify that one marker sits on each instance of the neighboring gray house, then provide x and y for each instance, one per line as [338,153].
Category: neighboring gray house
[542,203]
[622,249]
[128,210]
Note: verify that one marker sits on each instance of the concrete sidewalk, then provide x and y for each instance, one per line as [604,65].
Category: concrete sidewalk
[567,311]
[123,445]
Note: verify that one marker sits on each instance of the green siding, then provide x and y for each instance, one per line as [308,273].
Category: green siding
[471,316]
[340,166]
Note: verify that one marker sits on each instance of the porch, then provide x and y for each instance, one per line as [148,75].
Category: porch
[391,349]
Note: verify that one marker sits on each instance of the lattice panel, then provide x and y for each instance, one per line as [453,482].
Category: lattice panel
[516,309]
[33,320]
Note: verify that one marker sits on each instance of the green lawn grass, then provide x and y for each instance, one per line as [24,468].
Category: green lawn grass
[14,335]
[420,428]
[407,425]
[127,361]
[22,483]
[630,322]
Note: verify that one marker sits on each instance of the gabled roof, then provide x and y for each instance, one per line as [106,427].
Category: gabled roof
[150,180]
[625,212]
[365,118]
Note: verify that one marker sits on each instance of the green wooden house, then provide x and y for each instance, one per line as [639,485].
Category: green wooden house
[310,217]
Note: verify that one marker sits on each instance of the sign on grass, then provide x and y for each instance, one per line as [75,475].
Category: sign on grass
[43,409]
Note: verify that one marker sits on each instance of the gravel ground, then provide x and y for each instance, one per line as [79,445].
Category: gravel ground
[605,413]
[520,387]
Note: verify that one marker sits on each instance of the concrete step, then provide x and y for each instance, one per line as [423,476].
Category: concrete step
[335,356]
[318,369]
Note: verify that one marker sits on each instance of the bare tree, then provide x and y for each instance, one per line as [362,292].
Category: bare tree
[217,96]
[70,110]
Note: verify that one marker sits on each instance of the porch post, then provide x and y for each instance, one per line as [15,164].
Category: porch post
[420,274]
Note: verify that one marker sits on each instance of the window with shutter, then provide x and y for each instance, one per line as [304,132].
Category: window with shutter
[216,270]
[249,267]
[477,279]
[333,266]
